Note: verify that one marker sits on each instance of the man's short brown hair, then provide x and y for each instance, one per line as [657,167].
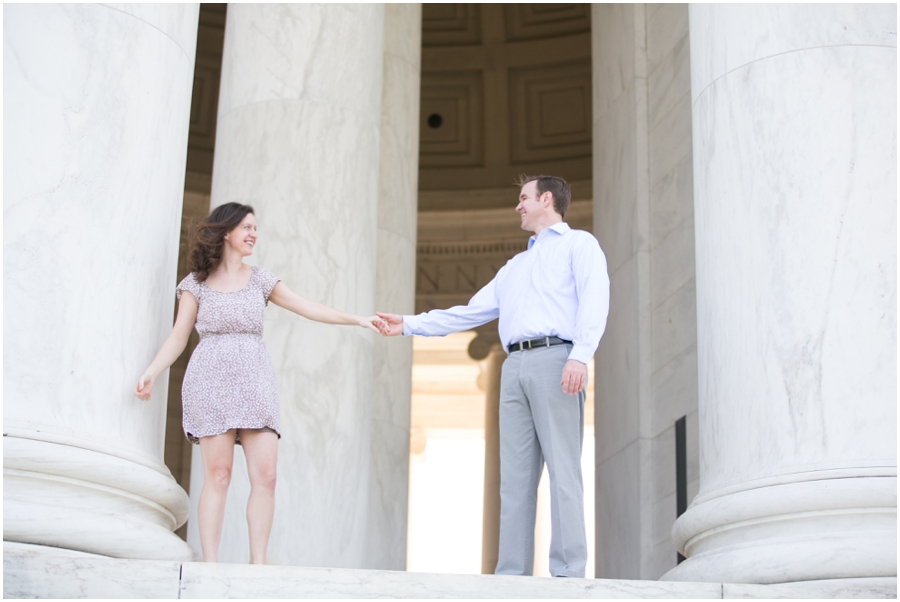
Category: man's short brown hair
[555,186]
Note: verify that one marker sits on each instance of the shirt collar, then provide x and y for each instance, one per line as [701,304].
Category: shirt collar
[559,227]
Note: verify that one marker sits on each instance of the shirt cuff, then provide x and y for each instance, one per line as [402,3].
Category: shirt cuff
[579,354]
[407,330]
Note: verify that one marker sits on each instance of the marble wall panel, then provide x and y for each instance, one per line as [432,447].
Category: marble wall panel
[612,54]
[675,390]
[664,510]
[672,200]
[659,560]
[670,140]
[670,80]
[96,116]
[667,26]
[674,325]
[672,263]
[660,554]
[617,496]
[615,181]
[617,385]
[663,476]
[644,217]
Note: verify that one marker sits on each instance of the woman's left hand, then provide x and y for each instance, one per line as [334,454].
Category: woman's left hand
[144,388]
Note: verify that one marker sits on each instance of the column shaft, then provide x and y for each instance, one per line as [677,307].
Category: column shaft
[298,138]
[96,123]
[395,286]
[794,128]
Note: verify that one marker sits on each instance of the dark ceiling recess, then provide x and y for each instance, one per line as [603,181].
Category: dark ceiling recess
[505,90]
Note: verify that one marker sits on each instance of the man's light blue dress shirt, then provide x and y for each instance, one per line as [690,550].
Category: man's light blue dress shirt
[558,287]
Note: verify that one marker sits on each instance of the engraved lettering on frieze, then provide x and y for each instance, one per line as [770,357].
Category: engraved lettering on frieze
[425,279]
[461,268]
[470,281]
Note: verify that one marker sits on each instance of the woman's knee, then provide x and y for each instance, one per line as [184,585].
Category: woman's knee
[264,477]
[219,476]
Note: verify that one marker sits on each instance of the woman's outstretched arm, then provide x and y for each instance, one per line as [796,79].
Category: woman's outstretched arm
[172,347]
[284,297]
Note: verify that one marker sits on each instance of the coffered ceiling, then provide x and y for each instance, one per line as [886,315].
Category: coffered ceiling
[506,89]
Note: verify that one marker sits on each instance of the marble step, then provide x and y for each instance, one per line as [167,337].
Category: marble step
[30,574]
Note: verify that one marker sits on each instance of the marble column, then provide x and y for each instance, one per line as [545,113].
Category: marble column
[794,137]
[486,347]
[96,114]
[395,286]
[298,138]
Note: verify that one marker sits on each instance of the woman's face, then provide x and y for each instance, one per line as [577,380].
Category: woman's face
[243,238]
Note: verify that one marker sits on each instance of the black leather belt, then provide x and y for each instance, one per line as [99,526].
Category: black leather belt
[535,343]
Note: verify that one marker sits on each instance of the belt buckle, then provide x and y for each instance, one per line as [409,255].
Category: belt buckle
[529,343]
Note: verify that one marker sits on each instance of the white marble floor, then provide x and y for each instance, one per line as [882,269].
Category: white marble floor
[32,574]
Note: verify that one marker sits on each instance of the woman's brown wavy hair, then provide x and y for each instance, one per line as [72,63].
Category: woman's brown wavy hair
[209,237]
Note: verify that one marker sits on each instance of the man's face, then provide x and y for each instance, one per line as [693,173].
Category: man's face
[530,207]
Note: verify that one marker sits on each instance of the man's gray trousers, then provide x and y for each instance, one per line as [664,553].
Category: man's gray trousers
[538,422]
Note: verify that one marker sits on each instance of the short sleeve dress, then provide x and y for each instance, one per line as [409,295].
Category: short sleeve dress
[229,382]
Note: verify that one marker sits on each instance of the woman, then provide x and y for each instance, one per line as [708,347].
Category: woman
[229,392]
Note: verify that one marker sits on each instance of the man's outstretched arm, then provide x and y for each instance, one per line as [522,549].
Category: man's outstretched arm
[481,309]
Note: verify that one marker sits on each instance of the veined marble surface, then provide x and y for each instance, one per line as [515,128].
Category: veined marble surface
[33,574]
[796,217]
[394,287]
[879,588]
[298,137]
[96,116]
[42,574]
[796,263]
[68,497]
[620,220]
[784,28]
[204,581]
[643,219]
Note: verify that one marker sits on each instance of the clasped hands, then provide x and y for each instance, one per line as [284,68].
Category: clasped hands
[389,325]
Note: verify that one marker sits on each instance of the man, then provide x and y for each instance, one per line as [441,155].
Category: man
[552,301]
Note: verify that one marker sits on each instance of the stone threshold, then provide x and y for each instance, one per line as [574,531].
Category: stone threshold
[30,574]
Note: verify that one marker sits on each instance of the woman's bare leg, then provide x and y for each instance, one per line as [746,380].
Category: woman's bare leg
[217,452]
[261,451]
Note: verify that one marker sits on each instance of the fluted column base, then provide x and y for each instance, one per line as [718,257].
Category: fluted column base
[840,526]
[60,495]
